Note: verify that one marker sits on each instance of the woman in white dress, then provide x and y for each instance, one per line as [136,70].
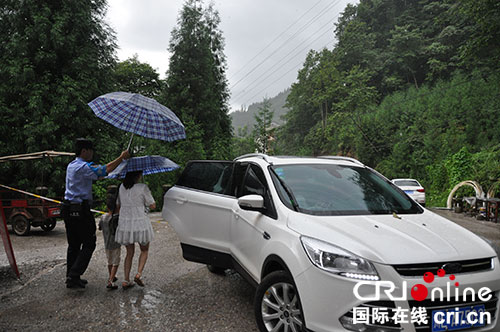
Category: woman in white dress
[134,225]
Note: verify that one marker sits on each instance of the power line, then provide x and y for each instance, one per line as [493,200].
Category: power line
[305,26]
[282,64]
[275,39]
[293,68]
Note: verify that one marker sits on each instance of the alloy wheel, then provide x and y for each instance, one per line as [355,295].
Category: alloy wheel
[280,308]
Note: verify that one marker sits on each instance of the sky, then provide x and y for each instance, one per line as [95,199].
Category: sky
[266,41]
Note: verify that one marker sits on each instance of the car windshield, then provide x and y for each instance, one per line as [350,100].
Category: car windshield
[406,183]
[326,189]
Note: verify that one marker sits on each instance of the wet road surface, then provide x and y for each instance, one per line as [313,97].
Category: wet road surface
[179,295]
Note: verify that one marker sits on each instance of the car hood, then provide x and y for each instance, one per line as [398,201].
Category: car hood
[388,239]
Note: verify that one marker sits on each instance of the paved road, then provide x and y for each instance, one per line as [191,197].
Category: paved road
[179,295]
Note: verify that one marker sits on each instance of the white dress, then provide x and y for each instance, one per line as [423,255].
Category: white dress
[134,224]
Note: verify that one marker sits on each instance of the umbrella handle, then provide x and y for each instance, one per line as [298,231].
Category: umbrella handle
[130,141]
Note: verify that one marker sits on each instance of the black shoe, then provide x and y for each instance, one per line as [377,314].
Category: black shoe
[84,281]
[74,283]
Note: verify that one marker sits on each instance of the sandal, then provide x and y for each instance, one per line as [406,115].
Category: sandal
[127,284]
[138,280]
[112,285]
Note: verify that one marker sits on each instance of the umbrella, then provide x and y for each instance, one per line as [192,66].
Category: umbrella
[139,115]
[146,164]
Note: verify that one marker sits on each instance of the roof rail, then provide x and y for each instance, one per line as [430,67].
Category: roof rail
[258,155]
[352,160]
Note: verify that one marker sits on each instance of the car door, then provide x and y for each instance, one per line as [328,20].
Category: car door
[199,206]
[249,228]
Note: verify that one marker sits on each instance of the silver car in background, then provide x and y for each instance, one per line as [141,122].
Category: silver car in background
[412,188]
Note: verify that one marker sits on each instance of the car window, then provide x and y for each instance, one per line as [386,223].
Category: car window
[406,183]
[327,189]
[212,176]
[254,183]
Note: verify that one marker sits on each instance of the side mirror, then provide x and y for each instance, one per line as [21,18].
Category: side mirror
[251,202]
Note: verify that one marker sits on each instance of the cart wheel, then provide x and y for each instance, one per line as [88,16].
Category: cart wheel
[49,225]
[20,225]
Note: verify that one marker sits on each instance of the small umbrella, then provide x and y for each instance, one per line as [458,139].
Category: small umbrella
[146,164]
[139,115]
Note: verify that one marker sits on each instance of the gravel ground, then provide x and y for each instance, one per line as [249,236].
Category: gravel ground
[179,295]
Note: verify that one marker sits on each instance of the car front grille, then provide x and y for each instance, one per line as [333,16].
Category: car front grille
[467,266]
[429,305]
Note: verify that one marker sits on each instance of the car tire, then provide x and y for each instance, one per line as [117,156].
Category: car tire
[49,225]
[216,270]
[277,304]
[21,225]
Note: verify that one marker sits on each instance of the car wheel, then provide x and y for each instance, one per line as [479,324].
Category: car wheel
[216,270]
[277,304]
[21,225]
[49,225]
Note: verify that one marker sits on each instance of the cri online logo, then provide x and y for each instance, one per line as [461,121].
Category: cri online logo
[419,292]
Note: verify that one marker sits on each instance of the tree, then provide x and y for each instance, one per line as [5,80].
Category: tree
[304,111]
[243,143]
[262,126]
[196,85]
[406,47]
[134,76]
[483,45]
[55,57]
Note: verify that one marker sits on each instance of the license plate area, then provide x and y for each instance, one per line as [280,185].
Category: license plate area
[409,191]
[456,318]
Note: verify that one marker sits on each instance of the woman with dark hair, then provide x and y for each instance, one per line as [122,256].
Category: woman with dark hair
[134,225]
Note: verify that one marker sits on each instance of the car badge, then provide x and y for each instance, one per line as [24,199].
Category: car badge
[452,268]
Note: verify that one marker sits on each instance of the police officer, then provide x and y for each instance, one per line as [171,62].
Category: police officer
[78,219]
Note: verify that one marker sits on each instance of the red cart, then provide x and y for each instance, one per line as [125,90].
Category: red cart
[24,210]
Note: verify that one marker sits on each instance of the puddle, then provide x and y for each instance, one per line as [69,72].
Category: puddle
[135,306]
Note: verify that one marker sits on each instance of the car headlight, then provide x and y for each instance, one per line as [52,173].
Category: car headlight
[339,261]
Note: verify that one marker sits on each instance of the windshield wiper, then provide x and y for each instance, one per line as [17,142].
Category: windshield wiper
[287,190]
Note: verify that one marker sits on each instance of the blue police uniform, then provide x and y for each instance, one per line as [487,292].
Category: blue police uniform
[78,219]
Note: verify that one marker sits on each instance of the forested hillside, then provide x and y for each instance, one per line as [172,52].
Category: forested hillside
[412,88]
[243,118]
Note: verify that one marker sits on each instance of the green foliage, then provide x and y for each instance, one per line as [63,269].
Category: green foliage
[262,127]
[243,143]
[196,86]
[133,76]
[246,117]
[405,90]
[459,166]
[482,46]
[55,57]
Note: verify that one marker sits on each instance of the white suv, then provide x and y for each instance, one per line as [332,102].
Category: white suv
[332,245]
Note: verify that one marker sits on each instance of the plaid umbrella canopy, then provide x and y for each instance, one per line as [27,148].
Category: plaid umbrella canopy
[138,114]
[146,164]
